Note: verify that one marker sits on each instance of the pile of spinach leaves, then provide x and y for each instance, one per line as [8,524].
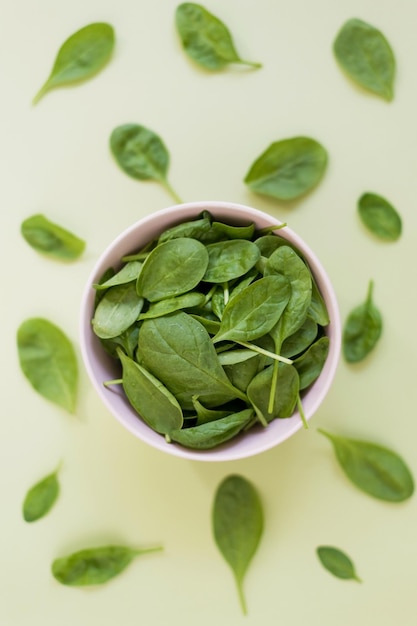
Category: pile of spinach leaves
[217,328]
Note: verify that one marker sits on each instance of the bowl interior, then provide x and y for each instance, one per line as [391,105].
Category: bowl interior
[101,367]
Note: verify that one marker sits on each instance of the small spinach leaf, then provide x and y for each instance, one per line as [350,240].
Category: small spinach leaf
[380,217]
[141,154]
[237,526]
[230,259]
[366,56]
[51,239]
[126,274]
[41,497]
[80,57]
[48,361]
[337,563]
[205,38]
[95,566]
[211,434]
[310,364]
[117,310]
[150,399]
[374,469]
[255,310]
[172,268]
[288,168]
[285,396]
[362,329]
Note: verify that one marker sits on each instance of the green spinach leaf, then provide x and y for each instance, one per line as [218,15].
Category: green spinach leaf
[380,217]
[366,56]
[374,469]
[285,396]
[178,351]
[141,154]
[117,310]
[362,329]
[288,168]
[41,497]
[51,239]
[310,364]
[337,563]
[205,38]
[238,522]
[211,434]
[172,268]
[48,361]
[80,57]
[126,274]
[95,566]
[255,310]
[230,259]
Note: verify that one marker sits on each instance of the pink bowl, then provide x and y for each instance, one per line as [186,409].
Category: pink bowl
[101,367]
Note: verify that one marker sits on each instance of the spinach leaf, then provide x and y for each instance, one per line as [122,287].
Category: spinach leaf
[141,154]
[230,259]
[317,309]
[205,415]
[172,268]
[41,497]
[51,239]
[362,329]
[47,359]
[126,274]
[95,566]
[379,216]
[310,364]
[148,396]
[337,563]
[170,305]
[197,229]
[117,310]
[374,469]
[211,434]
[205,38]
[178,351]
[285,396]
[300,340]
[366,56]
[80,57]
[288,168]
[237,526]
[255,311]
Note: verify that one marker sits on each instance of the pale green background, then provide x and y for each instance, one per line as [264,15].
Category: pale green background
[55,159]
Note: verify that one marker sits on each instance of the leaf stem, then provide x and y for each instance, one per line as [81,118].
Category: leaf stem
[115,381]
[242,599]
[171,191]
[253,64]
[301,412]
[272,355]
[42,91]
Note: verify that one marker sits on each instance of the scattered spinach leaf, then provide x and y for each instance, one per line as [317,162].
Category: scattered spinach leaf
[141,154]
[95,566]
[237,526]
[288,168]
[366,56]
[376,470]
[80,57]
[205,38]
[41,497]
[362,329]
[337,563]
[380,217]
[48,361]
[51,239]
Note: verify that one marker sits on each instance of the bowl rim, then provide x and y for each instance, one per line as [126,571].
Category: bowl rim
[237,448]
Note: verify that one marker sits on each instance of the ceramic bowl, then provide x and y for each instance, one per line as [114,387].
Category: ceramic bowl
[101,367]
